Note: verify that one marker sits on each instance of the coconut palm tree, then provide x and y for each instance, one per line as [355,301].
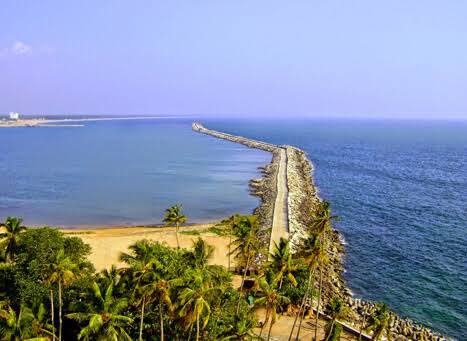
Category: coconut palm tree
[24,325]
[379,322]
[232,221]
[282,262]
[12,228]
[202,253]
[270,299]
[141,261]
[157,290]
[246,245]
[174,217]
[311,251]
[111,275]
[194,301]
[63,272]
[322,226]
[242,329]
[336,310]
[104,319]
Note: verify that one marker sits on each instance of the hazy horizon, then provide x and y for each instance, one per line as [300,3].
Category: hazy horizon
[307,59]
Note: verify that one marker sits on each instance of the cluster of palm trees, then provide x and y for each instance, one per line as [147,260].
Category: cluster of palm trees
[166,293]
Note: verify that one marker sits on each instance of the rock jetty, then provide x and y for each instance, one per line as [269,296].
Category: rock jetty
[302,204]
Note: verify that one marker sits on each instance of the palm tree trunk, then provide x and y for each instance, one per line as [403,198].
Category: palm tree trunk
[176,235]
[266,319]
[330,330]
[197,325]
[296,317]
[142,320]
[162,321]
[319,300]
[52,312]
[243,281]
[305,298]
[280,284]
[269,331]
[60,311]
[191,331]
[230,243]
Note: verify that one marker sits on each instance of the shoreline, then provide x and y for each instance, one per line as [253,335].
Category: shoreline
[51,123]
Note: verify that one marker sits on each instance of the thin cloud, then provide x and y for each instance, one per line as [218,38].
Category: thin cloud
[18,48]
[21,49]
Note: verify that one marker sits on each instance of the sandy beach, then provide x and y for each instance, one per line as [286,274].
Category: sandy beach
[108,243]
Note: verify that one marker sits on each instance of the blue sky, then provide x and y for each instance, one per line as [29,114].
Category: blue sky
[400,59]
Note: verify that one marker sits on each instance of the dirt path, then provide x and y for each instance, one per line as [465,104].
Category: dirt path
[280,222]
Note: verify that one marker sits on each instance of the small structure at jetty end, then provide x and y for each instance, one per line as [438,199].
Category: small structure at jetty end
[14,116]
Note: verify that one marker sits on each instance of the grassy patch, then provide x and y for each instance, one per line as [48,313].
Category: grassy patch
[79,233]
[192,232]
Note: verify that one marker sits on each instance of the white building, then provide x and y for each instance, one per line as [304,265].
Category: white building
[14,115]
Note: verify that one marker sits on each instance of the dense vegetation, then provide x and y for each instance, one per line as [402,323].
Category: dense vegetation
[49,290]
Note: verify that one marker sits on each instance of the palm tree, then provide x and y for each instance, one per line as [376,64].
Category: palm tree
[12,228]
[282,262]
[312,252]
[104,320]
[194,301]
[111,275]
[242,329]
[247,244]
[233,224]
[336,310]
[141,262]
[23,326]
[202,253]
[379,322]
[321,226]
[271,299]
[156,290]
[63,272]
[174,217]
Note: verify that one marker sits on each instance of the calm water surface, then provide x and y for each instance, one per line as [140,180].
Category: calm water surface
[401,191]
[122,172]
[399,187]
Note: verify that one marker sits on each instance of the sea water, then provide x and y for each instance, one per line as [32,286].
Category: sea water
[399,186]
[122,173]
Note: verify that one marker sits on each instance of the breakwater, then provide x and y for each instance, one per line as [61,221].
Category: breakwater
[302,203]
[271,188]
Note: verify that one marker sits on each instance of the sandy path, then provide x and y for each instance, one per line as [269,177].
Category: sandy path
[108,243]
[281,329]
[280,221]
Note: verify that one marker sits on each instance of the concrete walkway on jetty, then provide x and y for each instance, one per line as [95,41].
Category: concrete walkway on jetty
[280,220]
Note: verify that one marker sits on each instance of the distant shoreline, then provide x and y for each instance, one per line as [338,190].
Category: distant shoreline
[43,122]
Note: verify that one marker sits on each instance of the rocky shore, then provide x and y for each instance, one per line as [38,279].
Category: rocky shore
[265,188]
[302,204]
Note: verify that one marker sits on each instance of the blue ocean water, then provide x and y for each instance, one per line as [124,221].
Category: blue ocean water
[122,173]
[399,187]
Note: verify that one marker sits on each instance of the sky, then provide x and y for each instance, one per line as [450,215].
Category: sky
[398,59]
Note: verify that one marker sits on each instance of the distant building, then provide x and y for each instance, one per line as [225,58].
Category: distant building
[14,115]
